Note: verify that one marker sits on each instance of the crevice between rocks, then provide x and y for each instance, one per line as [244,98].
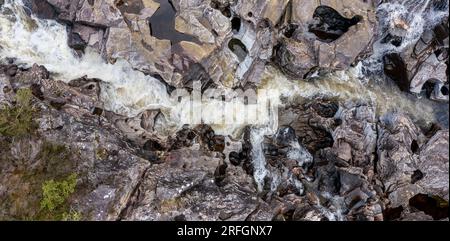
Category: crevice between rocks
[133,196]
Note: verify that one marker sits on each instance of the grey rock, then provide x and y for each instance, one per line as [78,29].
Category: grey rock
[184,185]
[66,9]
[313,122]
[93,37]
[107,168]
[101,13]
[404,151]
[418,216]
[396,159]
[296,57]
[355,139]
[302,50]
[433,162]
[422,67]
[434,71]
[42,9]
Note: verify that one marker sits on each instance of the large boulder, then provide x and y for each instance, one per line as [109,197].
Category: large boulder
[107,170]
[323,35]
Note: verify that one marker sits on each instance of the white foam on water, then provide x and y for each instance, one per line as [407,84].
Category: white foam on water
[30,40]
[258,158]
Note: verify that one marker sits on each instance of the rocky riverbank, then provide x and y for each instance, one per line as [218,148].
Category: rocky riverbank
[88,131]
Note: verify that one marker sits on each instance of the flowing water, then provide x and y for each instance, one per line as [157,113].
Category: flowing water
[407,19]
[125,91]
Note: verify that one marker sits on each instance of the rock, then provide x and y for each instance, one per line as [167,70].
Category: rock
[208,137]
[187,176]
[313,122]
[326,173]
[433,162]
[66,9]
[220,173]
[274,163]
[418,216]
[28,77]
[430,205]
[421,67]
[107,168]
[227,55]
[320,37]
[195,52]
[141,129]
[309,214]
[79,35]
[42,9]
[90,36]
[235,158]
[396,69]
[101,13]
[129,37]
[400,160]
[328,25]
[355,139]
[256,11]
[433,71]
[274,11]
[11,70]
[76,42]
[152,60]
[392,214]
[296,58]
[396,160]
[185,137]
[338,178]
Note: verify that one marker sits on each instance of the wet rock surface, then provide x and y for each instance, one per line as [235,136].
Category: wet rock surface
[328,159]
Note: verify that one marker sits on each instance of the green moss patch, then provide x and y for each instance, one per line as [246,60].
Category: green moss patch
[17,120]
[55,193]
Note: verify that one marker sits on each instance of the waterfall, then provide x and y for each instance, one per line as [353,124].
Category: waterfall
[125,91]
